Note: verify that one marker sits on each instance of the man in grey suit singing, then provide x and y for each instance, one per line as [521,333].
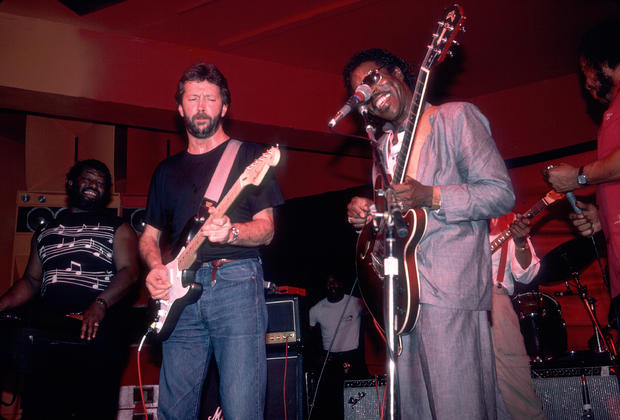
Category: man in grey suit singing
[446,369]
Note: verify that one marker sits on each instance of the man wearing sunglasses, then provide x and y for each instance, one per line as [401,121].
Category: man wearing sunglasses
[446,368]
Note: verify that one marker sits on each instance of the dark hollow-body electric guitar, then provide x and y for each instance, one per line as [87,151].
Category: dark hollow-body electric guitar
[370,253]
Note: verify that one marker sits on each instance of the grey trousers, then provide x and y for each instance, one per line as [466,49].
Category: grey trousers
[447,369]
[512,362]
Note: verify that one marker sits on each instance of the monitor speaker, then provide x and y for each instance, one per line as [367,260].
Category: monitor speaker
[563,396]
[362,398]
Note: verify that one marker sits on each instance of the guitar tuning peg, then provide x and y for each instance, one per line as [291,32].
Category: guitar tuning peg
[463,29]
[455,42]
[451,54]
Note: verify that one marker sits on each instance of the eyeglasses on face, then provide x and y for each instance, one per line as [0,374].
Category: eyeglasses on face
[372,77]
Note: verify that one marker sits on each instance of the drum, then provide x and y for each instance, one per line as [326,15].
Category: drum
[542,326]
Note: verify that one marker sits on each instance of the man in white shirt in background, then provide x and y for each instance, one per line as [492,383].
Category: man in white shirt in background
[346,355]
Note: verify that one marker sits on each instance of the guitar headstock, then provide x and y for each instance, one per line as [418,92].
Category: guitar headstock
[448,26]
[553,196]
[257,170]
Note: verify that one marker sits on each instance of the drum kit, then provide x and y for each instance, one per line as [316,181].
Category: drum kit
[540,315]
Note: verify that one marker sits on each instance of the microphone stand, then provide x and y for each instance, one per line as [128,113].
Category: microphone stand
[393,222]
[603,344]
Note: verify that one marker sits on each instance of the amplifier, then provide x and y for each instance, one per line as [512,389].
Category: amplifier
[284,396]
[284,324]
[561,392]
[130,402]
[360,398]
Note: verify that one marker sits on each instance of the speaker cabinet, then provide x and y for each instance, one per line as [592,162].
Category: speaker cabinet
[133,211]
[360,398]
[284,383]
[130,402]
[563,396]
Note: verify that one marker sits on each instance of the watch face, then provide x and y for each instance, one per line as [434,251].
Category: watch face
[582,180]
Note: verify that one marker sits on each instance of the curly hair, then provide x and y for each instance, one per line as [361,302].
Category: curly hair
[201,72]
[383,58]
[601,45]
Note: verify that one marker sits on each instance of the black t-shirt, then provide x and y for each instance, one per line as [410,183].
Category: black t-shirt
[178,186]
[77,256]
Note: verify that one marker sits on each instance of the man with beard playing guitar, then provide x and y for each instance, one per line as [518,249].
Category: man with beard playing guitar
[229,320]
[446,369]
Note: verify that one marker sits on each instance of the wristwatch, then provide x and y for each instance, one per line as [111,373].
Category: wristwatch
[582,179]
[235,232]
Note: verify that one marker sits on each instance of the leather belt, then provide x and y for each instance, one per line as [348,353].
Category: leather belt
[217,264]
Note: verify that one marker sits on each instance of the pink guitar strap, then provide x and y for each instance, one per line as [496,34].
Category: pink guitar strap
[216,186]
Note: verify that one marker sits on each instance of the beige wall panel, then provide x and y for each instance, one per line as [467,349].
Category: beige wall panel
[50,149]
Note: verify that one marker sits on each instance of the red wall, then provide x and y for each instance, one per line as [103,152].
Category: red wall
[58,59]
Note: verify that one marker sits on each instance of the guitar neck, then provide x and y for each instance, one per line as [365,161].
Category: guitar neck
[419,93]
[188,256]
[507,234]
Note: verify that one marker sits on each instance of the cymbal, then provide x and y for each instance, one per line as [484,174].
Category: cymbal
[563,260]
[572,256]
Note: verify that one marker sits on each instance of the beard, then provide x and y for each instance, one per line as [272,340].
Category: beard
[606,85]
[78,200]
[205,132]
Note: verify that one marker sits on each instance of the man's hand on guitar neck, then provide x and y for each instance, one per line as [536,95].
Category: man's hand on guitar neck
[412,194]
[217,229]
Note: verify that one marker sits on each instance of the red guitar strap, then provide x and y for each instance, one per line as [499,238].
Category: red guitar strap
[502,265]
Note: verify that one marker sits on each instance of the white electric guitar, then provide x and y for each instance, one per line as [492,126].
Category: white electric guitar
[183,290]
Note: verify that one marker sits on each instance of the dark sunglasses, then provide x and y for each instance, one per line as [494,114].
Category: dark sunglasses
[373,77]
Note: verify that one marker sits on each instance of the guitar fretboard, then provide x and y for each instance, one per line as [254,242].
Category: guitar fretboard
[507,234]
[412,123]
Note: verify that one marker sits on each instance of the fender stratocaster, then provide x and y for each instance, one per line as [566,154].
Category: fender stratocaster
[184,290]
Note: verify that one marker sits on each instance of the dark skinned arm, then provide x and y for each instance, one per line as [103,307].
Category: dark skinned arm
[28,285]
[126,263]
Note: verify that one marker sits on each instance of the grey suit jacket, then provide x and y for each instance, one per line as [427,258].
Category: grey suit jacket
[460,156]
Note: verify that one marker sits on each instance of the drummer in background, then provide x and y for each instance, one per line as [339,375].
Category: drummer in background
[514,261]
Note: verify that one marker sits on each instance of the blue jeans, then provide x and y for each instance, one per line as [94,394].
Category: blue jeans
[229,321]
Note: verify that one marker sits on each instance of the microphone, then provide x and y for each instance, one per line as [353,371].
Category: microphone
[570,196]
[585,395]
[362,94]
